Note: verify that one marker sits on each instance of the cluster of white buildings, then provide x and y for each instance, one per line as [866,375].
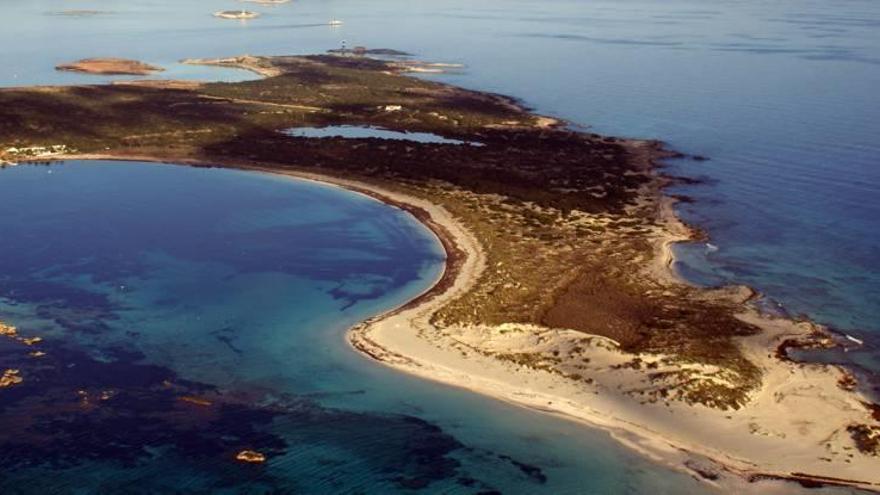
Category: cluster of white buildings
[10,155]
[38,151]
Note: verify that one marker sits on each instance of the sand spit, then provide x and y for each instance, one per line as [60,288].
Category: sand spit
[794,428]
[247,62]
[557,293]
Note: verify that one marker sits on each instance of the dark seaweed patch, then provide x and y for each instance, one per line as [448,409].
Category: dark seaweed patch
[227,337]
[73,407]
[534,472]
[106,406]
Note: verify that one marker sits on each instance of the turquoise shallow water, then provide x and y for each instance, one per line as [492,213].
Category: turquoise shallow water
[152,283]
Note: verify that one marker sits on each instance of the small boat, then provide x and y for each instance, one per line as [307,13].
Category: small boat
[335,22]
[853,339]
[236,14]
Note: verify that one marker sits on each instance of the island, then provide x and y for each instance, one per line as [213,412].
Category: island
[110,66]
[236,14]
[557,293]
[81,12]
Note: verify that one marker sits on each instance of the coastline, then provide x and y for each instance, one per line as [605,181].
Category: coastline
[557,294]
[400,339]
[404,338]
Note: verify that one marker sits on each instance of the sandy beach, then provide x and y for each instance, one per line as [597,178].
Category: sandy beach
[557,293]
[793,429]
[494,247]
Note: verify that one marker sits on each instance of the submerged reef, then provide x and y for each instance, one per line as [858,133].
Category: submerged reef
[76,409]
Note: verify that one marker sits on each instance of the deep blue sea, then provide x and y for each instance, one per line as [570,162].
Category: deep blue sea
[781,96]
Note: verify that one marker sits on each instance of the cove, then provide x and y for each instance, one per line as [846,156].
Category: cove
[190,313]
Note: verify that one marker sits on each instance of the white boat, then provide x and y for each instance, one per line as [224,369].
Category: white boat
[236,14]
[335,22]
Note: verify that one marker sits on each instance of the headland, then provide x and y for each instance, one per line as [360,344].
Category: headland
[557,293]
